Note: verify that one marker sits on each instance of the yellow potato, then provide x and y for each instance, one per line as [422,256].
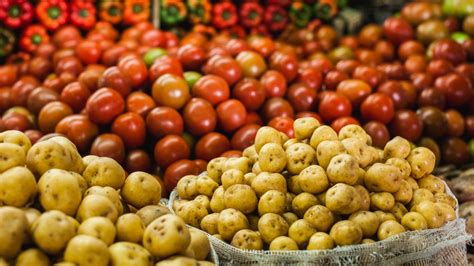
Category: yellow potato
[320,217]
[247,239]
[177,261]
[253,221]
[288,143]
[433,213]
[367,221]
[367,241]
[204,201]
[100,228]
[385,216]
[343,168]
[382,201]
[72,152]
[383,178]
[422,162]
[46,155]
[52,231]
[215,168]
[206,185]
[149,213]
[17,187]
[272,201]
[81,181]
[398,211]
[320,241]
[289,200]
[402,165]
[209,223]
[129,228]
[166,236]
[322,133]
[313,179]
[104,172]
[31,215]
[448,212]
[231,177]
[199,244]
[405,193]
[141,189]
[302,202]
[248,178]
[445,198]
[327,150]
[397,147]
[364,197]
[290,217]
[59,190]
[256,168]
[299,156]
[14,226]
[241,163]
[301,231]
[420,195]
[304,127]
[346,233]
[266,135]
[87,250]
[108,192]
[268,181]
[96,205]
[230,222]
[251,153]
[359,150]
[32,256]
[388,229]
[11,155]
[217,200]
[413,184]
[16,137]
[343,199]
[294,184]
[283,243]
[129,254]
[432,183]
[414,221]
[86,160]
[353,131]
[187,187]
[271,226]
[192,212]
[272,158]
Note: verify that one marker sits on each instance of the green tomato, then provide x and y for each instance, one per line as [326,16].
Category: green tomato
[460,37]
[191,77]
[152,54]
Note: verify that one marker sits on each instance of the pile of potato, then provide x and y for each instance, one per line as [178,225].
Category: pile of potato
[57,207]
[316,191]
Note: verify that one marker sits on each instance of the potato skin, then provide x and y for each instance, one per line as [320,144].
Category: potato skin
[130,228]
[17,187]
[241,197]
[320,217]
[149,213]
[141,189]
[383,178]
[230,222]
[199,244]
[59,190]
[46,155]
[32,256]
[100,228]
[346,233]
[247,239]
[271,226]
[14,228]
[87,250]
[52,231]
[272,158]
[104,171]
[129,254]
[16,137]
[108,192]
[96,205]
[11,155]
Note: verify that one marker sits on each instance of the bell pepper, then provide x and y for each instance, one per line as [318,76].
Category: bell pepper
[16,13]
[199,11]
[32,37]
[172,12]
[235,31]
[7,41]
[136,11]
[205,30]
[282,3]
[260,30]
[111,11]
[83,15]
[276,18]
[251,14]
[224,15]
[325,9]
[52,13]
[19,58]
[300,14]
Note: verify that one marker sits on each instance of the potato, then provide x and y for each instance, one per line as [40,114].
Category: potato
[149,213]
[367,221]
[130,228]
[294,184]
[448,212]
[445,198]
[343,168]
[283,243]
[241,163]
[16,137]
[432,183]
[433,213]
[398,211]
[354,131]
[422,162]
[81,181]
[413,184]
[320,217]
[96,205]
[383,178]
[86,250]
[215,168]
[31,215]
[299,156]
[322,133]
[187,187]
[166,236]
[104,172]
[47,155]
[204,201]
[192,212]
[405,193]
[141,189]
[346,233]
[108,192]
[420,195]
[385,216]
[32,256]
[304,127]
[230,222]
[72,152]
[397,147]
[251,153]
[266,135]
[17,186]
[388,229]
[289,200]
[100,228]
[272,201]
[301,231]
[328,149]
[86,160]
[313,179]
[14,229]
[74,223]
[302,202]
[248,178]
[177,261]
[199,244]
[268,181]
[52,231]
[288,143]
[59,190]
[129,254]
[271,226]
[290,217]
[206,185]
[11,155]
[256,168]
[367,241]
[209,223]
[382,201]
[364,197]
[320,241]
[247,239]
[253,221]
[414,221]
[231,177]
[217,200]
[402,165]
[272,158]
[343,199]
[359,150]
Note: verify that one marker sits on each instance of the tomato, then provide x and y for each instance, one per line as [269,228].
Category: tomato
[311,77]
[309,114]
[135,69]
[51,114]
[439,67]
[152,38]
[199,117]
[171,90]
[369,35]
[191,56]
[274,83]
[131,128]
[368,57]
[67,36]
[334,105]
[201,165]
[394,71]
[415,64]
[355,90]
[431,97]
[231,115]
[39,98]
[232,154]
[324,65]
[333,78]
[434,122]
[170,149]
[176,171]
[75,95]
[347,66]
[163,121]
[8,75]
[152,54]
[421,81]
[244,137]
[262,45]
[342,122]
[455,151]
[137,160]
[165,65]
[469,125]
[33,135]
[397,30]
[104,106]
[89,52]
[410,47]
[370,75]
[191,77]
[377,107]
[283,124]
[140,103]
[456,88]
[211,146]
[455,123]
[5,101]
[250,92]
[385,49]
[61,54]
[378,132]
[301,97]
[225,67]
[466,70]
[39,67]
[252,64]
[70,64]
[90,77]
[79,129]
[212,88]
[21,90]
[109,145]
[236,46]
[285,64]
[406,124]
[395,91]
[349,41]
[449,50]
[253,118]
[410,92]
[111,56]
[45,50]
[16,121]
[276,106]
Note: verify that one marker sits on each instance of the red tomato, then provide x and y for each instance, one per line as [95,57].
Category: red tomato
[456,88]
[274,83]
[231,115]
[324,65]
[165,65]
[131,128]
[377,107]
[236,46]
[32,134]
[378,132]
[253,118]
[191,56]
[276,106]
[395,91]
[90,77]
[250,92]
[199,117]
[140,103]
[347,66]
[8,75]
[355,90]
[225,67]
[212,88]
[370,75]
[111,56]
[334,105]
[135,69]
[163,121]
[211,146]
[104,106]
[75,95]
[37,99]
[137,160]
[406,124]
[171,149]
[201,165]
[333,78]
[153,38]
[79,129]
[109,145]
[311,77]
[176,171]
[16,121]
[51,114]
[252,64]
[449,50]
[285,64]
[262,45]
[171,90]
[439,67]
[283,124]
[397,30]
[69,64]
[309,114]
[21,90]
[244,137]
[232,154]
[89,52]
[301,97]
[342,122]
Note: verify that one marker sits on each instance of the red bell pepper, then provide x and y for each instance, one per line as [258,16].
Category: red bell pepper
[261,30]
[52,13]
[136,11]
[83,15]
[16,13]
[276,18]
[199,11]
[208,31]
[224,15]
[235,31]
[111,11]
[282,3]
[32,37]
[251,14]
